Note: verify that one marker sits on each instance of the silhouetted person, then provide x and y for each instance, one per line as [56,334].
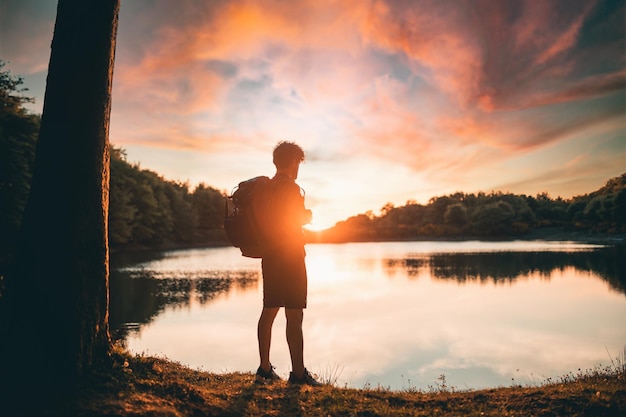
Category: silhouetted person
[284,271]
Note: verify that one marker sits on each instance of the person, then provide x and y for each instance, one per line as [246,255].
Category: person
[284,271]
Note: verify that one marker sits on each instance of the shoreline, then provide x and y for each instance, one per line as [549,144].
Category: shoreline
[546,234]
[136,385]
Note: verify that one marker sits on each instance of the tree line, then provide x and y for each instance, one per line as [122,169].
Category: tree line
[149,211]
[489,215]
[18,136]
[145,210]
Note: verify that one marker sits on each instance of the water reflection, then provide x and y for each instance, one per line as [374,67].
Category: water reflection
[398,314]
[141,289]
[138,296]
[609,263]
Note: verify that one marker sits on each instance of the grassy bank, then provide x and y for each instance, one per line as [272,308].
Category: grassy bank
[148,386]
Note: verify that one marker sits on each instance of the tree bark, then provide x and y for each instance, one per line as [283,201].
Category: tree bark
[55,308]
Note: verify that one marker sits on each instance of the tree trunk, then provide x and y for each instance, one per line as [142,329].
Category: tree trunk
[55,308]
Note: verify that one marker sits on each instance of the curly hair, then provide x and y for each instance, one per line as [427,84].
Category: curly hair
[285,153]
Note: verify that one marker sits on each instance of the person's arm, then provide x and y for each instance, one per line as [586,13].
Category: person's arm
[297,209]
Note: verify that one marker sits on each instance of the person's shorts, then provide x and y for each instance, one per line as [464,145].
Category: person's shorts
[284,281]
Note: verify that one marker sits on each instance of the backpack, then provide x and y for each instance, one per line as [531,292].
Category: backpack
[240,222]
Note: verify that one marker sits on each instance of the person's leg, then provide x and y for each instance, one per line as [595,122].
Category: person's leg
[295,340]
[264,335]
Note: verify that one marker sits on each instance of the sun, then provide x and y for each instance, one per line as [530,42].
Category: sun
[323,217]
[318,225]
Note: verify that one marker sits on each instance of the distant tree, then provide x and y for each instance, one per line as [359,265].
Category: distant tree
[184,219]
[619,207]
[493,219]
[390,223]
[575,210]
[456,215]
[603,210]
[550,212]
[208,204]
[166,213]
[593,209]
[386,209]
[54,313]
[147,217]
[12,98]
[148,211]
[121,210]
[355,228]
[437,207]
[18,136]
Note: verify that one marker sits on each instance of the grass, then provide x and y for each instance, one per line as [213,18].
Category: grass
[134,385]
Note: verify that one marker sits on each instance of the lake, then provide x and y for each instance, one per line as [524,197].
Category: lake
[396,315]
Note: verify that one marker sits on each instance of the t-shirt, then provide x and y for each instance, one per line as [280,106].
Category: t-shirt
[281,216]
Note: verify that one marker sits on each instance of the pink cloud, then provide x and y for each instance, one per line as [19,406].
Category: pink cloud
[155,86]
[431,34]
[479,54]
[283,43]
[537,55]
[474,72]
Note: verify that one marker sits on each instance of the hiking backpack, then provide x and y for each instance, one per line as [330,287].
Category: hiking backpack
[240,223]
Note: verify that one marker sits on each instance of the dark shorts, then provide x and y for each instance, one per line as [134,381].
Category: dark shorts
[284,281]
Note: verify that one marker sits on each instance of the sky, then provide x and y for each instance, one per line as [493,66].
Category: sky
[392,101]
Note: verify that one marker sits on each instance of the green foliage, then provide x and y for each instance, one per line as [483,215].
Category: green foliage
[210,206]
[121,210]
[147,210]
[456,215]
[18,137]
[489,215]
[493,219]
[11,98]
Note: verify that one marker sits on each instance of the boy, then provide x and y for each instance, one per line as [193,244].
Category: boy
[284,270]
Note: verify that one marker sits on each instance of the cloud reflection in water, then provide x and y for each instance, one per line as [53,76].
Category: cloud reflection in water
[401,314]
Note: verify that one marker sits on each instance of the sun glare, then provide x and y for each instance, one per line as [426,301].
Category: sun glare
[317,226]
[321,269]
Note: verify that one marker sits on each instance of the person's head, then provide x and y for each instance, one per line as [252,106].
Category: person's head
[287,157]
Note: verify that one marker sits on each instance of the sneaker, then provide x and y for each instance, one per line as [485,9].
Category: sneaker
[307,379]
[264,377]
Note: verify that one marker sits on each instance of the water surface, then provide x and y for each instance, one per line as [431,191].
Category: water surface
[394,314]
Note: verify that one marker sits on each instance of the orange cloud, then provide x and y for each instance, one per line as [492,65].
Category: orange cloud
[430,34]
[282,45]
[481,56]
[437,87]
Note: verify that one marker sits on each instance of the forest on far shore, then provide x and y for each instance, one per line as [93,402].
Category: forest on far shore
[148,211]
[489,215]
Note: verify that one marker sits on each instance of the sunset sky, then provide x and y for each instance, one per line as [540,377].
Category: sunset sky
[391,100]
